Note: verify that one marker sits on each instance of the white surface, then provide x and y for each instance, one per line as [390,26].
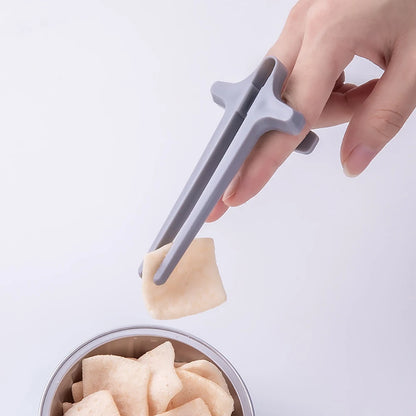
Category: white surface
[104,110]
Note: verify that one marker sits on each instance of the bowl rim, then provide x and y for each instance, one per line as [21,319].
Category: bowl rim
[146,330]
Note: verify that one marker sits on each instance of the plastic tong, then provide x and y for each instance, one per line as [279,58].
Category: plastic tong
[252,108]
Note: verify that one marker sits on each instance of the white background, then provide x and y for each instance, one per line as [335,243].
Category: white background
[104,111]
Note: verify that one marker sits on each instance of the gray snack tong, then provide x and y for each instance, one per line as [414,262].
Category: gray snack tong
[252,107]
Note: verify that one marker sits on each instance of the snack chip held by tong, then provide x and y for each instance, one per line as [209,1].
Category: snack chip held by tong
[252,108]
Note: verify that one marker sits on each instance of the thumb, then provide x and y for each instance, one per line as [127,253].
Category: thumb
[381,116]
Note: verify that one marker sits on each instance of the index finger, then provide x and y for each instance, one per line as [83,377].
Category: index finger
[317,68]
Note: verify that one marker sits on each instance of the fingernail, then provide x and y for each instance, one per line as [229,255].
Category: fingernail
[232,188]
[358,160]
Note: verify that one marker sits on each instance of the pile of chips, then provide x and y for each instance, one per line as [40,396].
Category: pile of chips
[153,384]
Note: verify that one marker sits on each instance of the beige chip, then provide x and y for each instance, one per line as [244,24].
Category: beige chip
[100,403]
[66,406]
[208,370]
[194,286]
[196,407]
[219,402]
[164,382]
[77,391]
[127,381]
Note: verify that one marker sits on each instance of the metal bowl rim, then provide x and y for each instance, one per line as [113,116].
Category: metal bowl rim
[149,330]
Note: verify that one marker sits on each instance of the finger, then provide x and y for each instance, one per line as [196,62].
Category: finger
[317,70]
[340,81]
[345,88]
[341,106]
[286,49]
[270,152]
[309,86]
[218,211]
[381,116]
[288,45]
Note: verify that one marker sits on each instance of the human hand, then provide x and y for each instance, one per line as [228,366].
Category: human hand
[320,38]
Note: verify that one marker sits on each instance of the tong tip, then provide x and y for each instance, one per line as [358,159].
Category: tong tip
[161,276]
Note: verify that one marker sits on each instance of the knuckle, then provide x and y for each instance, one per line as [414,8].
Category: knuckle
[298,12]
[387,122]
[320,14]
[323,18]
